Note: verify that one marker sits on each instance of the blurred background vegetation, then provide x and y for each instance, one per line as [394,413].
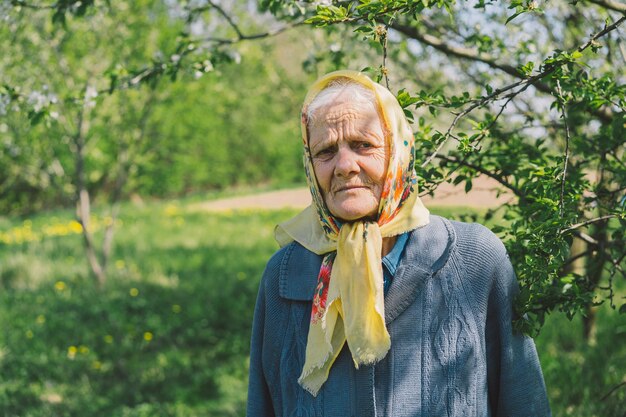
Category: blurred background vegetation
[236,124]
[118,118]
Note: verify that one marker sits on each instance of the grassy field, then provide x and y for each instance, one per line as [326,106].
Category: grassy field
[169,334]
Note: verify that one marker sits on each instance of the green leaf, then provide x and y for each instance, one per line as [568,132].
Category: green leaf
[36,117]
[364,29]
[513,17]
[409,115]
[527,68]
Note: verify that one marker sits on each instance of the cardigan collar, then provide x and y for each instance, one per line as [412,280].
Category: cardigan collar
[426,252]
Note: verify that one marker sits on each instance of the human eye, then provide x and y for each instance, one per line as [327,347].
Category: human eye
[363,144]
[324,152]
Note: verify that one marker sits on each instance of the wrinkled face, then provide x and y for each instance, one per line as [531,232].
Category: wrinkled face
[350,157]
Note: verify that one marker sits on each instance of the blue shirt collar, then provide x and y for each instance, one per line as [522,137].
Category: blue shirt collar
[392,259]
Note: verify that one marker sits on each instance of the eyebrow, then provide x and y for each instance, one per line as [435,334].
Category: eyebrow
[324,143]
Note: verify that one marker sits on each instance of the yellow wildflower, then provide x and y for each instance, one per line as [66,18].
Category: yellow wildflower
[71,352]
[75,227]
[171,210]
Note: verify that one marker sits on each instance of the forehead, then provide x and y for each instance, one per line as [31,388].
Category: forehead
[342,109]
[347,121]
[340,102]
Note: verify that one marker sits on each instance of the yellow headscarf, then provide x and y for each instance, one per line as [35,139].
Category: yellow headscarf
[348,304]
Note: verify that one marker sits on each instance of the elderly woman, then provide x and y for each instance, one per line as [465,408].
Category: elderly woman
[373,307]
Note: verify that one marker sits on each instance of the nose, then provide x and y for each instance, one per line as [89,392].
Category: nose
[347,162]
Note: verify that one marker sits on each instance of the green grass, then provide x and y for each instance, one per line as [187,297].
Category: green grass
[169,334]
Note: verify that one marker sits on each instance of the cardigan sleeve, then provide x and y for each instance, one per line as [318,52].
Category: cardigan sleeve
[259,399]
[516,385]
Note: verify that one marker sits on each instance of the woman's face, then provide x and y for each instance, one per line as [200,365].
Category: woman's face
[350,157]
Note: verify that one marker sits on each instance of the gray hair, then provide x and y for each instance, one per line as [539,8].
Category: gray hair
[344,86]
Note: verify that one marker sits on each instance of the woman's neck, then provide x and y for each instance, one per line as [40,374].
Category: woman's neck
[388,244]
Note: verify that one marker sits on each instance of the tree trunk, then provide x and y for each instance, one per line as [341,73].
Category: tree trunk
[595,268]
[589,325]
[83,203]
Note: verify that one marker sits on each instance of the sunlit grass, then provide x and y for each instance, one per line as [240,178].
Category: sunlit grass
[169,334]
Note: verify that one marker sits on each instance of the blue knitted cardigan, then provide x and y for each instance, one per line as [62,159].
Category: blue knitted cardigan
[448,311]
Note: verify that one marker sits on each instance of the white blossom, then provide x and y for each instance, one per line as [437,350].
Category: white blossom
[236,56]
[90,96]
[76,5]
[37,100]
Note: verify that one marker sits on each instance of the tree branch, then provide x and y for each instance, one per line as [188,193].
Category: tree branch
[615,388]
[590,221]
[610,4]
[457,51]
[567,140]
[383,41]
[484,171]
[229,19]
[242,37]
[576,257]
[600,34]
[586,238]
[482,102]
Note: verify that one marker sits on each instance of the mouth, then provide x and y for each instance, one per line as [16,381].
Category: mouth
[351,187]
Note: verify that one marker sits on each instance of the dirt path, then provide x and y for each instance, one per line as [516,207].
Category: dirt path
[482,195]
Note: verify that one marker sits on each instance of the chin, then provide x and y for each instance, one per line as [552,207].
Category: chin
[351,214]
